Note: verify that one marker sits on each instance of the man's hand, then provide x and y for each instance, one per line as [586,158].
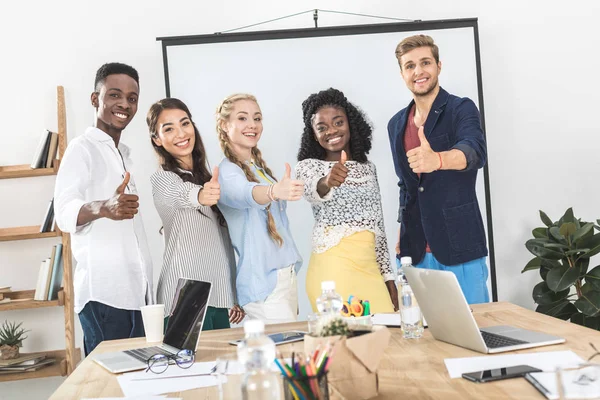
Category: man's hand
[120,205]
[236,314]
[393,290]
[422,159]
[211,192]
[338,172]
[288,188]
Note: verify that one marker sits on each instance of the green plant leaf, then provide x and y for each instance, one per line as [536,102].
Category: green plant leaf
[536,247]
[576,251]
[540,233]
[567,217]
[559,279]
[563,310]
[551,263]
[547,221]
[544,272]
[592,243]
[586,287]
[542,294]
[567,229]
[534,263]
[558,246]
[584,320]
[556,235]
[589,303]
[582,264]
[582,232]
[593,277]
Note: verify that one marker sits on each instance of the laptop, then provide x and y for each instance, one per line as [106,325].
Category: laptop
[450,318]
[183,329]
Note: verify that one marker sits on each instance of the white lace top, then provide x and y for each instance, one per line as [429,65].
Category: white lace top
[353,207]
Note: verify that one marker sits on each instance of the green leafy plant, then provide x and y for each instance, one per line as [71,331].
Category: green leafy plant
[335,327]
[569,289]
[11,334]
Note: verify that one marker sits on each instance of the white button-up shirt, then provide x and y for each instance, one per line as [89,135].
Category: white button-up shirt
[113,260]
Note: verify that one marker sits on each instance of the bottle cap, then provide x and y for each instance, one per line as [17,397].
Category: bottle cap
[328,285]
[406,260]
[254,326]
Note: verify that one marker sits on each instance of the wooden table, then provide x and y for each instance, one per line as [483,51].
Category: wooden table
[411,369]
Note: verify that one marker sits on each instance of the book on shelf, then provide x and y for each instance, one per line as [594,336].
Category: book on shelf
[42,279]
[40,157]
[46,225]
[27,368]
[52,148]
[4,289]
[31,358]
[57,273]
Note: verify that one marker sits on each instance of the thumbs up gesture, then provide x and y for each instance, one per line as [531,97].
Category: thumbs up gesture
[288,188]
[211,192]
[338,172]
[423,159]
[121,205]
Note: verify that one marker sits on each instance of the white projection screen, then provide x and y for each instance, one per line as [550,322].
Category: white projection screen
[281,68]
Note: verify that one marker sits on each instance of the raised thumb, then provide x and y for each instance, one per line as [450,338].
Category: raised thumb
[122,186]
[343,157]
[422,137]
[215,176]
[288,171]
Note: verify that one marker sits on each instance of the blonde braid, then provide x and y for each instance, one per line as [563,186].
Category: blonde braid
[223,113]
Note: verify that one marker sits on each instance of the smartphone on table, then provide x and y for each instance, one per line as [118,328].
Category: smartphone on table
[281,337]
[497,374]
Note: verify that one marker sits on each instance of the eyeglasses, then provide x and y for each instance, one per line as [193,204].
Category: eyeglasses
[159,363]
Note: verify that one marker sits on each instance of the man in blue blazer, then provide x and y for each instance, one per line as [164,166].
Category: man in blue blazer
[438,146]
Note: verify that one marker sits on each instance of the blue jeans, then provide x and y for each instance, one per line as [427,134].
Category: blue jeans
[472,276]
[101,322]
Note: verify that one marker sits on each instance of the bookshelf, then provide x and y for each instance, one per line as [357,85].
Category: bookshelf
[67,358]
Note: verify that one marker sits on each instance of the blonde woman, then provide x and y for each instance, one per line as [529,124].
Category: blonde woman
[254,205]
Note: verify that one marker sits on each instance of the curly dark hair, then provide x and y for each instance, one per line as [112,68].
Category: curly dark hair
[361,131]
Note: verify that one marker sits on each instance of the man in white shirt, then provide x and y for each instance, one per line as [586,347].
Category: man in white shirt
[95,201]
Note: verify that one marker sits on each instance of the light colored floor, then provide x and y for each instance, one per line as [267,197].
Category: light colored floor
[30,389]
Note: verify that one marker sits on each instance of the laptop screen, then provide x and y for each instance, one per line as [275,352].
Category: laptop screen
[187,316]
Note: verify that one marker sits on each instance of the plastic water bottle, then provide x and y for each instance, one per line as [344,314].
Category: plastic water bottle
[329,302]
[257,353]
[412,319]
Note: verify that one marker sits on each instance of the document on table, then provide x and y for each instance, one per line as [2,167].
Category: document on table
[135,398]
[174,379]
[574,386]
[546,361]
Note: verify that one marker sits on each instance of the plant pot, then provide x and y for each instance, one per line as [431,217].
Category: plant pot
[9,352]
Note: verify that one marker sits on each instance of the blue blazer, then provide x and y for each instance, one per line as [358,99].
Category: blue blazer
[441,208]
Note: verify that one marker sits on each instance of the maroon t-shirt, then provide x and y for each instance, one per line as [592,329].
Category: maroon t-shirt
[411,141]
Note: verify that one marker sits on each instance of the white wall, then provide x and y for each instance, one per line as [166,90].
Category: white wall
[538,63]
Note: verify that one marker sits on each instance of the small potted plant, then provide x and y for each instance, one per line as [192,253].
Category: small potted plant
[11,338]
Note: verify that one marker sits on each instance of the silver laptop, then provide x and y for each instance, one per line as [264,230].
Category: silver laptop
[183,329]
[450,318]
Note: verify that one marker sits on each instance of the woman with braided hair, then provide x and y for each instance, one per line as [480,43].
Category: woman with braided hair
[349,243]
[254,205]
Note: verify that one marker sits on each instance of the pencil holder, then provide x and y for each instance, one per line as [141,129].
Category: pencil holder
[307,387]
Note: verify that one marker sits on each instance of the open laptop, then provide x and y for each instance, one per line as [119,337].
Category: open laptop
[450,318]
[183,329]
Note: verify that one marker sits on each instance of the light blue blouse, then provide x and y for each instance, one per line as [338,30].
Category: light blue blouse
[259,257]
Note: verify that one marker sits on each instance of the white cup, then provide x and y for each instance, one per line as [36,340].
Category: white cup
[154,322]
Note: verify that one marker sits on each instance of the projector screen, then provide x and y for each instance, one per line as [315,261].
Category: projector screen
[281,68]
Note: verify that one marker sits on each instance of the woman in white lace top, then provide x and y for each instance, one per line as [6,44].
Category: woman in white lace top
[348,243]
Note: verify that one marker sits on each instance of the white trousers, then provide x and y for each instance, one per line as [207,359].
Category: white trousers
[282,304]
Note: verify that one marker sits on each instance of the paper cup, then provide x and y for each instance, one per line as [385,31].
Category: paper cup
[154,321]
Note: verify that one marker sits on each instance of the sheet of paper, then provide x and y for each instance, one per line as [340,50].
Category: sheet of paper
[546,361]
[575,387]
[390,319]
[135,398]
[133,388]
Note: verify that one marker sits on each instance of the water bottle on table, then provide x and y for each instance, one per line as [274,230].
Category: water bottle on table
[412,319]
[257,353]
[329,302]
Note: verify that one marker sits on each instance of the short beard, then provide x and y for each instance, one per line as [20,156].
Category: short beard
[428,91]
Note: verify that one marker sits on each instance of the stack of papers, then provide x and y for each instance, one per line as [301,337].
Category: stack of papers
[25,363]
[574,386]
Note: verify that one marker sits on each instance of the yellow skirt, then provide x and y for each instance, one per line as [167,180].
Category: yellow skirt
[352,264]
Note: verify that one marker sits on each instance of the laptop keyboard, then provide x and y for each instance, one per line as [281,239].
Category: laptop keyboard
[145,353]
[493,341]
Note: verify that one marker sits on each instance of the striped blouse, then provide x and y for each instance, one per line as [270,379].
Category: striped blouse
[196,245]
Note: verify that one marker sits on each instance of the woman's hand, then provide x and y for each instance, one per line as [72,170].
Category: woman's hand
[288,188]
[393,290]
[236,314]
[211,192]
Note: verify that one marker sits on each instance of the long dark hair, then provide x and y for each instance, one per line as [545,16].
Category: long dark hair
[200,173]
